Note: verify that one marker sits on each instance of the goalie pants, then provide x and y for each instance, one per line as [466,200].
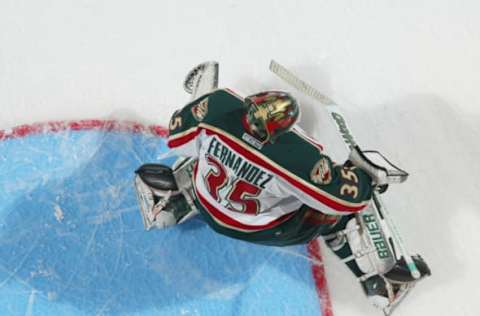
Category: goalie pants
[304,226]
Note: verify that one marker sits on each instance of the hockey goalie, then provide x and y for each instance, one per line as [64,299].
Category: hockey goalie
[249,172]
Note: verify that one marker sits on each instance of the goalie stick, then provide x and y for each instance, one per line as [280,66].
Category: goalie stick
[335,112]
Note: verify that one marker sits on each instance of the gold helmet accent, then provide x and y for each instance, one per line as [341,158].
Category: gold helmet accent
[271,114]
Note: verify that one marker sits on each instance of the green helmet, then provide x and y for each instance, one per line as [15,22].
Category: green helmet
[271,114]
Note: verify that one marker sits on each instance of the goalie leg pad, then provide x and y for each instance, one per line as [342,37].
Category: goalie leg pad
[367,246]
[361,243]
[162,203]
[182,172]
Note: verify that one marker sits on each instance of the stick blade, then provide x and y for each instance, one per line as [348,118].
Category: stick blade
[299,84]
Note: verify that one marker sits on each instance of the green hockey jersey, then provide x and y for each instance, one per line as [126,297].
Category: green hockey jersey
[249,186]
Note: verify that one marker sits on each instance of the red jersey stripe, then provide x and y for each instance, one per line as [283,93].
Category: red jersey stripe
[310,190]
[183,138]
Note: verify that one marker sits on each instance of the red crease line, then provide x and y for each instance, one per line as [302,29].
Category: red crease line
[319,277]
[81,125]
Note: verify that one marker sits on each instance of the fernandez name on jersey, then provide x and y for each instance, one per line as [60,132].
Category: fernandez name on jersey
[242,168]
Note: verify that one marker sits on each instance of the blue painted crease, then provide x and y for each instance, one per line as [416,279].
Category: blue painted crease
[72,241]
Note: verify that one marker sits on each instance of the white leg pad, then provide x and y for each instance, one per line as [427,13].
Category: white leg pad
[370,249]
[152,213]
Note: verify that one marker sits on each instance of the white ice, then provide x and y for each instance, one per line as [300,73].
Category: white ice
[406,72]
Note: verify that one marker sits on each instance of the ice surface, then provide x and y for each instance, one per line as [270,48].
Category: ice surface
[72,241]
[407,73]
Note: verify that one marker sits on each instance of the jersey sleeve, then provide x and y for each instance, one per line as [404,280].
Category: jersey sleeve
[311,176]
[184,130]
[337,189]
[185,124]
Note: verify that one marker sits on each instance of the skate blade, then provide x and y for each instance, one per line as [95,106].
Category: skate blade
[387,311]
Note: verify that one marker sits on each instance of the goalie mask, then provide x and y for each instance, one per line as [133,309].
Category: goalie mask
[271,114]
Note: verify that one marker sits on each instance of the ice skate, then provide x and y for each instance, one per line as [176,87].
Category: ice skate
[388,291]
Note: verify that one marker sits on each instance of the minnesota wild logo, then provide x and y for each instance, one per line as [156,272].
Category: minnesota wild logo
[200,110]
[321,173]
[276,109]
